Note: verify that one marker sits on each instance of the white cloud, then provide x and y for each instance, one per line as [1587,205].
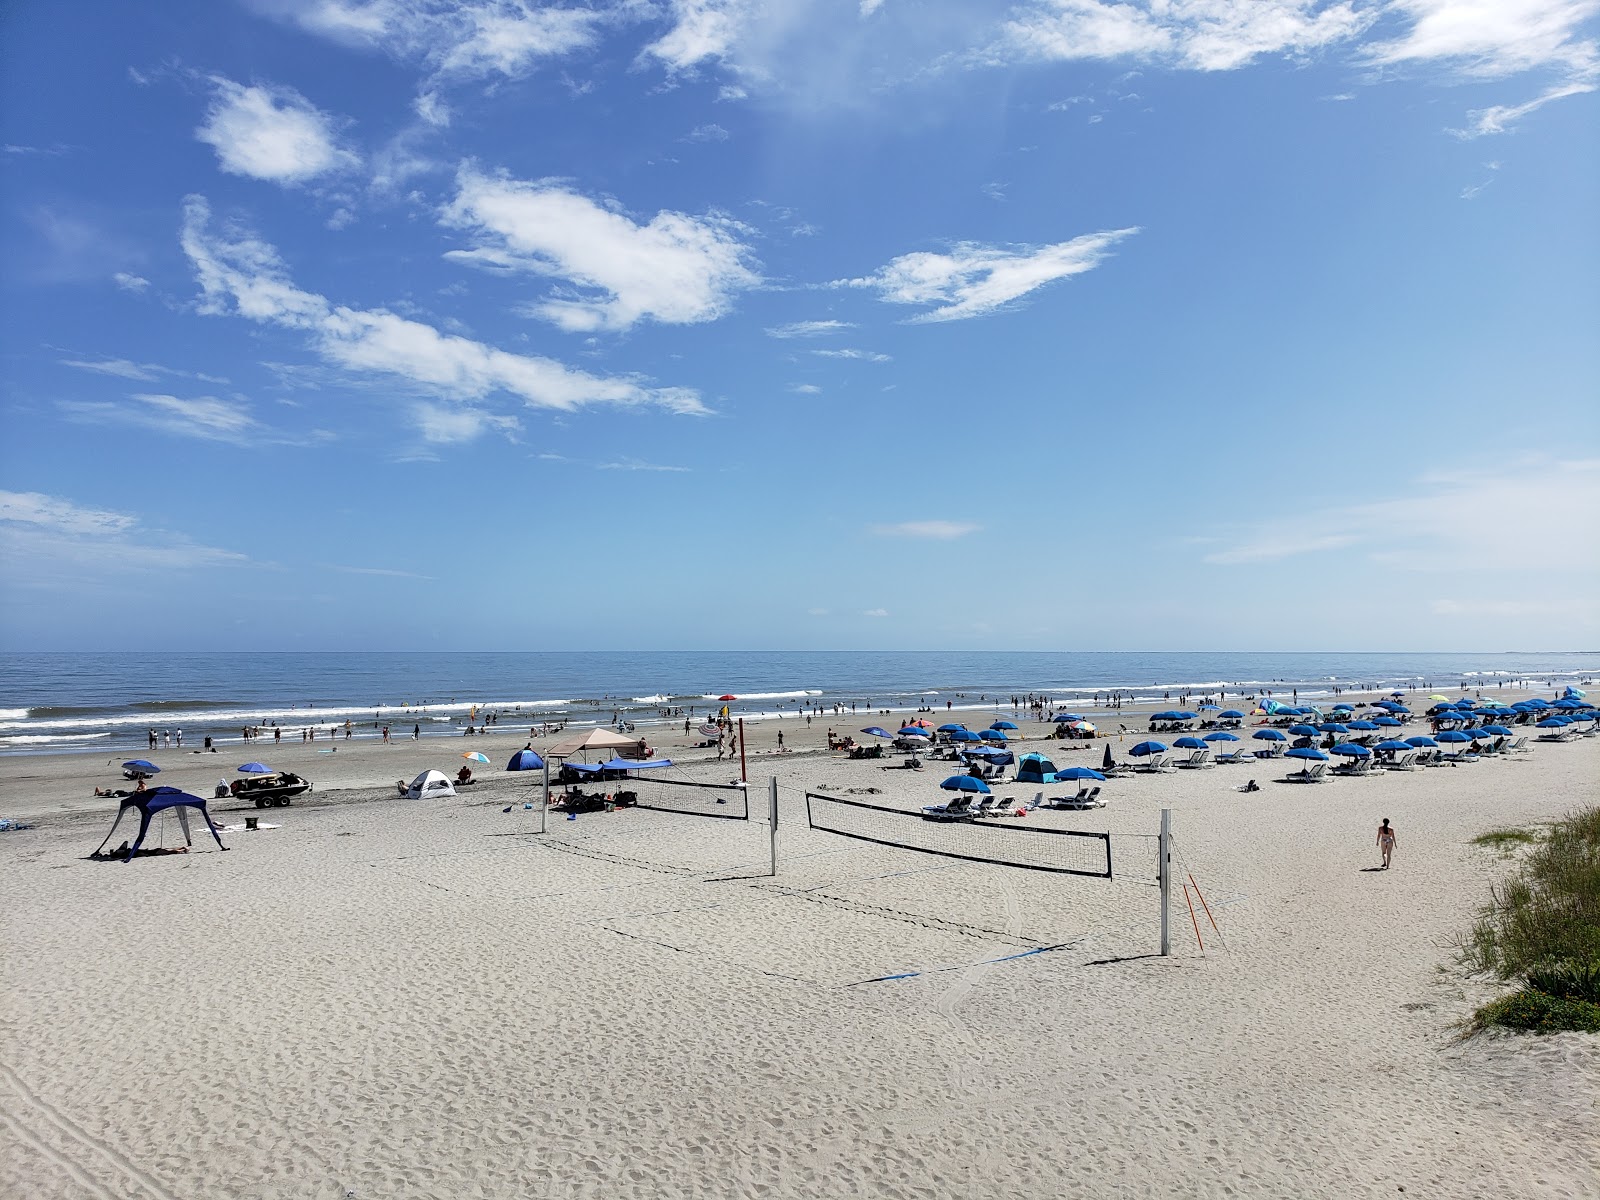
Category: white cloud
[876,612]
[386,572]
[943,531]
[707,133]
[130,283]
[805,389]
[857,355]
[1498,118]
[868,7]
[1516,518]
[701,30]
[40,534]
[204,417]
[676,269]
[122,368]
[633,464]
[1492,38]
[469,40]
[240,275]
[802,329]
[1202,35]
[271,133]
[444,426]
[974,280]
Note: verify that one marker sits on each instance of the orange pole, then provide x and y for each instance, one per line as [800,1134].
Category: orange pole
[1204,905]
[1196,923]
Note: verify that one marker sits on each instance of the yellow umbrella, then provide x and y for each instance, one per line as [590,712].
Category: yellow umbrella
[1436,696]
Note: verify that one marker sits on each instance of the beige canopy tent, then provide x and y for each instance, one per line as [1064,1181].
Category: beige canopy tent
[594,739]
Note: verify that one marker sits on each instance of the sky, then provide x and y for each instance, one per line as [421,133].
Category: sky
[800,324]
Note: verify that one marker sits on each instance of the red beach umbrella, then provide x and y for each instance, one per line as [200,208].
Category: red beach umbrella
[727,697]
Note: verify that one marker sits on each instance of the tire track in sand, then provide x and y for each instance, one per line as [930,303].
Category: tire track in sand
[73,1132]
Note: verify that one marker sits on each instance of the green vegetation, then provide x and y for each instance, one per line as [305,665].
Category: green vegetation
[1505,839]
[1543,926]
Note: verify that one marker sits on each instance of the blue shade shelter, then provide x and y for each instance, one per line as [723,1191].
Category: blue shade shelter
[1189,743]
[952,728]
[1001,725]
[875,731]
[964,783]
[1351,750]
[255,768]
[525,760]
[1553,723]
[1035,768]
[1145,749]
[1068,717]
[1219,736]
[1362,725]
[155,800]
[1454,735]
[964,735]
[1269,735]
[1307,752]
[1303,730]
[135,767]
[1394,745]
[1080,773]
[1388,722]
[1421,742]
[1332,727]
[1231,714]
[628,764]
[994,735]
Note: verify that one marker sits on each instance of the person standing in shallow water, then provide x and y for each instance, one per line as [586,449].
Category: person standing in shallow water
[1386,841]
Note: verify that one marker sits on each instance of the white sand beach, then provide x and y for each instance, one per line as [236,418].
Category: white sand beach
[387,998]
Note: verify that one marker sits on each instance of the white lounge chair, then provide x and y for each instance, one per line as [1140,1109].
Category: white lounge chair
[1200,758]
[1520,746]
[1236,756]
[958,809]
[1312,774]
[1154,764]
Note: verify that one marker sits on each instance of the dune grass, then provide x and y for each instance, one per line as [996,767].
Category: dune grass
[1505,839]
[1542,926]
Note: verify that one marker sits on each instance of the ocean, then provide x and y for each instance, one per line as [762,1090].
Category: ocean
[51,703]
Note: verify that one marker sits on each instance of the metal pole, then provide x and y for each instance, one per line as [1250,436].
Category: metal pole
[743,777]
[772,822]
[544,795]
[1164,855]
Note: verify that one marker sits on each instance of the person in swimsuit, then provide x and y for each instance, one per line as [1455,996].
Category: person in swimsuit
[1386,841]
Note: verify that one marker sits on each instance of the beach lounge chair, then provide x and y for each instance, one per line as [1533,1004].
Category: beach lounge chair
[1312,774]
[958,809]
[1520,746]
[1200,758]
[1358,766]
[1402,762]
[1117,769]
[1155,764]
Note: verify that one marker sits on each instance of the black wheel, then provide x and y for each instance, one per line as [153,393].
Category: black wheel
[282,802]
[260,803]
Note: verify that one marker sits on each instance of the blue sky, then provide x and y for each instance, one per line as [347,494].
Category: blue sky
[1167,324]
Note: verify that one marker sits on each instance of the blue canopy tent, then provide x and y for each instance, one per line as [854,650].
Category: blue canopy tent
[152,801]
[992,755]
[525,760]
[627,764]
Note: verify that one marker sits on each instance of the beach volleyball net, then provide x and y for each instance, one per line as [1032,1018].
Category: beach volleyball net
[987,840]
[723,801]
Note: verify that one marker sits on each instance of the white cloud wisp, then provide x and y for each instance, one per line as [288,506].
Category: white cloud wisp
[40,535]
[676,269]
[974,280]
[271,133]
[241,275]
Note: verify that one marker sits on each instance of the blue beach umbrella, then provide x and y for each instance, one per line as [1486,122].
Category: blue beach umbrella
[1220,736]
[1388,722]
[1001,725]
[964,735]
[1188,716]
[1421,743]
[1080,773]
[1067,717]
[1351,750]
[1362,725]
[1568,704]
[912,731]
[877,732]
[1231,714]
[1145,749]
[1303,730]
[964,783]
[1307,752]
[254,768]
[1332,727]
[1189,743]
[1344,708]
[1394,745]
[1553,723]
[141,764]
[1269,735]
[1454,735]
[952,728]
[994,735]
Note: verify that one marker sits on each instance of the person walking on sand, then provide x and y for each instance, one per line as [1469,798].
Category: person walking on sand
[1386,841]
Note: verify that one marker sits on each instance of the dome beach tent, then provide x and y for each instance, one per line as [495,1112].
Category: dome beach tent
[430,783]
[152,801]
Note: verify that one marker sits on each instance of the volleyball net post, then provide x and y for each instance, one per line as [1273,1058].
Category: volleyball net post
[772,825]
[1164,875]
[544,795]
